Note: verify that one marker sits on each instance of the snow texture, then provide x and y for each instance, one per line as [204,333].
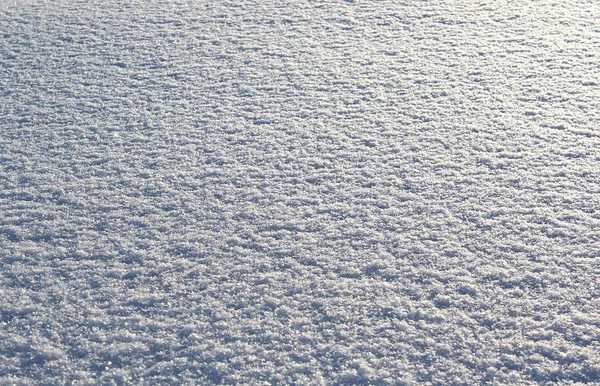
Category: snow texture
[299,192]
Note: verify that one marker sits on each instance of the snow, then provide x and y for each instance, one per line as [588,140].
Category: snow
[299,192]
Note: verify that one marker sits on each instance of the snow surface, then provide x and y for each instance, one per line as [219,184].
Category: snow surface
[299,192]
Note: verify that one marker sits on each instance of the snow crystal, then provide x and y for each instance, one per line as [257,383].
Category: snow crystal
[301,192]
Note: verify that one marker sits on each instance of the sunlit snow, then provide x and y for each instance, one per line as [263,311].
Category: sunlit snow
[299,192]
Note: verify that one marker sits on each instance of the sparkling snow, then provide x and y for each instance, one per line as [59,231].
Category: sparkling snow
[299,192]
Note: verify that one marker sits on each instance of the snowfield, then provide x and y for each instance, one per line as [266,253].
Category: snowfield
[299,192]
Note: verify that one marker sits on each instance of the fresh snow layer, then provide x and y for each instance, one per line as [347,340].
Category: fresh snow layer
[299,192]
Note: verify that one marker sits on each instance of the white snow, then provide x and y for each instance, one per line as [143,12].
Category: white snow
[299,192]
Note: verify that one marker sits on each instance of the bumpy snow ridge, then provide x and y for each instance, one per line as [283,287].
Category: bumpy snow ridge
[299,192]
